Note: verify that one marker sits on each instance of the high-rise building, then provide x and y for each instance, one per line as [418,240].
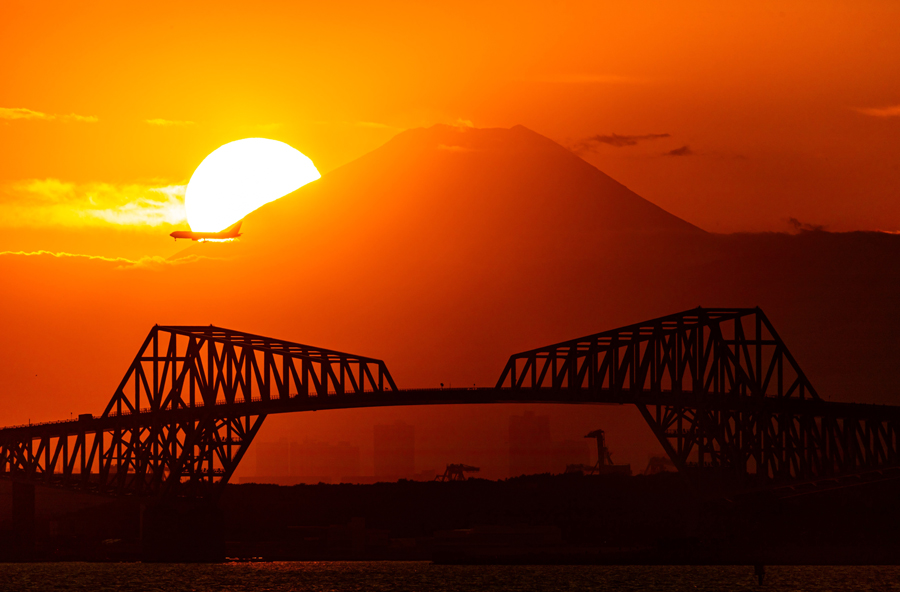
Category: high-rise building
[312,462]
[273,460]
[395,451]
[530,448]
[305,462]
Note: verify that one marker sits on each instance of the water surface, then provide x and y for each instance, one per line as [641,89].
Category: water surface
[422,576]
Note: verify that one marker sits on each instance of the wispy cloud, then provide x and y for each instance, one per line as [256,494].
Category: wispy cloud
[167,122]
[588,78]
[891,111]
[52,202]
[12,113]
[155,262]
[799,226]
[592,143]
[683,151]
[454,148]
[63,255]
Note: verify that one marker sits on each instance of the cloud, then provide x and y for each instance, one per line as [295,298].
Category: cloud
[683,151]
[616,140]
[79,118]
[11,113]
[51,202]
[167,122]
[147,211]
[585,78]
[63,255]
[799,226]
[454,148]
[891,111]
[155,262]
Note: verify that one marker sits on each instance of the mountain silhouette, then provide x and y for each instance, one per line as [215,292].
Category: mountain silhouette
[452,237]
[443,252]
[457,192]
[449,248]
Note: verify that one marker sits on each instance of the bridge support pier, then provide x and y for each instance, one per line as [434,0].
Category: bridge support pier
[181,531]
[23,520]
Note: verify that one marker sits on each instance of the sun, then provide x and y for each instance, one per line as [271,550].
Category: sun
[241,176]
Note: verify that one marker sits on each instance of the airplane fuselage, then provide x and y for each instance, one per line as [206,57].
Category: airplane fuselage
[196,236]
[230,232]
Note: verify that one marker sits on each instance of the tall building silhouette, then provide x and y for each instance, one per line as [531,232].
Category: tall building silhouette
[395,451]
[532,451]
[314,462]
[306,462]
[273,460]
[530,448]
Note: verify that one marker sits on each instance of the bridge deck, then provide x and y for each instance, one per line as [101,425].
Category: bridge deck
[458,396]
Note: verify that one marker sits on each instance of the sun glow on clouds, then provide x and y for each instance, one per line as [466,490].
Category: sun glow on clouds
[153,262]
[891,111]
[241,176]
[167,122]
[51,202]
[22,113]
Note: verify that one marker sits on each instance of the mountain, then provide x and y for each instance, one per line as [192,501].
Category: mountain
[491,187]
[443,252]
[457,200]
[447,249]
[459,242]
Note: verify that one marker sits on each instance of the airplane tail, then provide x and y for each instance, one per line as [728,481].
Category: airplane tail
[234,228]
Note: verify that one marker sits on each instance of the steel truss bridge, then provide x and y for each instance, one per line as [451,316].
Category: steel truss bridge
[718,387]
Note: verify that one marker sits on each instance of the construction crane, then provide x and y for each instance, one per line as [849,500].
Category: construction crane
[605,465]
[456,473]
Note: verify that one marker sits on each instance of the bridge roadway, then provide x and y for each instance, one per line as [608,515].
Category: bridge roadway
[717,387]
[455,396]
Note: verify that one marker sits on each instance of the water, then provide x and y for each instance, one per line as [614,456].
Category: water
[420,576]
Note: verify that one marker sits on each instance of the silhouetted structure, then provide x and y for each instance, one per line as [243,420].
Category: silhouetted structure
[529,444]
[721,392]
[605,465]
[456,473]
[659,464]
[273,460]
[314,462]
[718,387]
[395,451]
[308,461]
[185,413]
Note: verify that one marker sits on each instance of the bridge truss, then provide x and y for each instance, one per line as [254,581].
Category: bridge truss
[721,392]
[185,413]
[718,387]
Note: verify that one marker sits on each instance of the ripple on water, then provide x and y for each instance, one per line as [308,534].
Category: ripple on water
[420,576]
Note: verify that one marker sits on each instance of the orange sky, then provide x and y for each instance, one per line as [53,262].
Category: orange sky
[733,116]
[786,109]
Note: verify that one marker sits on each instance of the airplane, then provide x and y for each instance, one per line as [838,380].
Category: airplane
[232,231]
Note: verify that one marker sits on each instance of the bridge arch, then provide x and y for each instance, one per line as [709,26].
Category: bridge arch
[718,387]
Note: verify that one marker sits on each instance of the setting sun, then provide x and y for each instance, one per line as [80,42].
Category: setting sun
[475,294]
[241,176]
